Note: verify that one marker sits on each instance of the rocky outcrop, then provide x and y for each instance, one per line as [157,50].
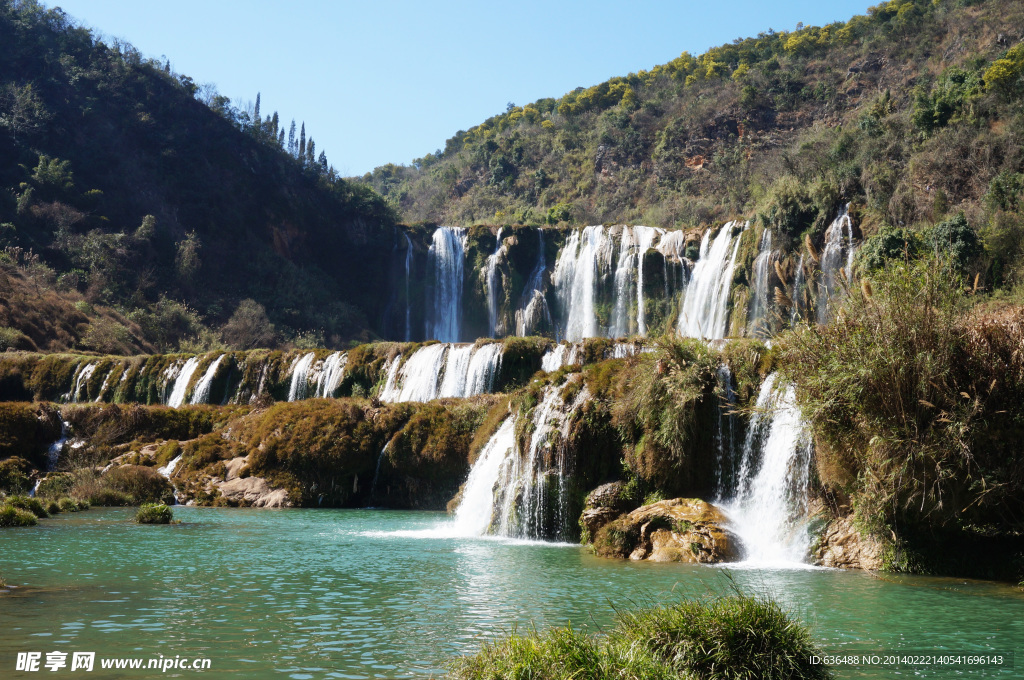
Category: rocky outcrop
[604,504]
[251,491]
[677,530]
[842,546]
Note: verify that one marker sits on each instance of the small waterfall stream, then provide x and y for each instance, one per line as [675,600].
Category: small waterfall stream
[767,505]
[836,263]
[443,370]
[181,382]
[757,322]
[201,394]
[447,257]
[408,302]
[492,281]
[533,313]
[706,299]
[300,376]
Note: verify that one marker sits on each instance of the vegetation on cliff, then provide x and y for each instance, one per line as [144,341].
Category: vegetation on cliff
[141,211]
[915,402]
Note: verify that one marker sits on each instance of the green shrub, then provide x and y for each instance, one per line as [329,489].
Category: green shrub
[955,240]
[11,516]
[33,505]
[890,244]
[139,483]
[67,504]
[154,513]
[13,477]
[55,485]
[722,638]
[52,507]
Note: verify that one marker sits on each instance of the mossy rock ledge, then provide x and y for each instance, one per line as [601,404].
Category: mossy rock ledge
[676,530]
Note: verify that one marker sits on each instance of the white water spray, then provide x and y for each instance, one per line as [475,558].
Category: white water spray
[706,300]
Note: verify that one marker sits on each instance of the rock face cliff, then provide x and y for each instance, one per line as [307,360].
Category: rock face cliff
[678,530]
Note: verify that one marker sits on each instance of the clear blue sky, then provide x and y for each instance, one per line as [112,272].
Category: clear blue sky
[390,81]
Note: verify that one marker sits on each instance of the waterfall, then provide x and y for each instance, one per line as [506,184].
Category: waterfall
[491,280]
[575,278]
[408,305]
[300,376]
[768,507]
[56,448]
[331,375]
[629,281]
[168,469]
[522,493]
[799,284]
[181,382]
[443,370]
[836,261]
[706,300]
[447,261]
[561,355]
[201,394]
[757,324]
[475,512]
[533,309]
[79,381]
[725,434]
[376,472]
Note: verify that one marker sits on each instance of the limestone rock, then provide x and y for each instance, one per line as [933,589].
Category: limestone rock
[677,530]
[843,547]
[604,504]
[254,491]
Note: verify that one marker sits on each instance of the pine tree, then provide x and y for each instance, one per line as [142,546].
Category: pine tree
[310,150]
[291,138]
[280,138]
[323,160]
[274,123]
[256,113]
[302,142]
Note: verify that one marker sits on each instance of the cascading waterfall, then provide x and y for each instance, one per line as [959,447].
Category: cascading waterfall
[725,434]
[443,370]
[706,300]
[629,276]
[768,508]
[82,375]
[56,448]
[408,273]
[577,271]
[475,513]
[561,355]
[181,382]
[331,375]
[492,281]
[757,324]
[533,312]
[836,261]
[300,376]
[447,256]
[201,394]
[799,286]
[516,493]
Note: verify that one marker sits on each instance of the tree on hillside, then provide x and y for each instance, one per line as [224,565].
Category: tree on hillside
[249,327]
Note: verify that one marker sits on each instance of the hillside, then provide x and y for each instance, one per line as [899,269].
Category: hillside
[127,189]
[912,112]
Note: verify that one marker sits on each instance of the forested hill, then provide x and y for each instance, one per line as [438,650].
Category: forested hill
[914,112]
[138,211]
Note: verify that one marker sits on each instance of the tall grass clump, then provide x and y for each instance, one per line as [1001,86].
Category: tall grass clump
[917,404]
[154,513]
[729,638]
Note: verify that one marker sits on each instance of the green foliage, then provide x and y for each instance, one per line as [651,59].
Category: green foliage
[956,241]
[14,475]
[249,327]
[953,96]
[11,516]
[154,513]
[658,412]
[29,504]
[915,404]
[890,244]
[56,485]
[715,638]
[1006,75]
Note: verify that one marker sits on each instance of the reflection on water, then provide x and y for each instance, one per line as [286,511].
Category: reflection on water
[380,594]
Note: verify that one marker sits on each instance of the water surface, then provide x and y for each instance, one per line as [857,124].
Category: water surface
[383,594]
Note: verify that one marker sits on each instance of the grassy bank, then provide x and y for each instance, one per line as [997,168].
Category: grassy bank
[715,638]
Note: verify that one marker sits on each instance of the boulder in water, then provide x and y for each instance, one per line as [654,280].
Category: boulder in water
[677,530]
